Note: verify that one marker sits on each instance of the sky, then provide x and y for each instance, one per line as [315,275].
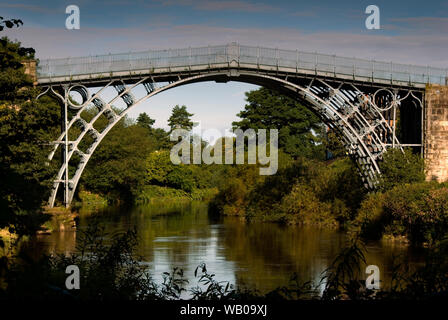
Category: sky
[414,32]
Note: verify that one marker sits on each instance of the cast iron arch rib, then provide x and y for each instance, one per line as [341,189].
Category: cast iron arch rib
[346,109]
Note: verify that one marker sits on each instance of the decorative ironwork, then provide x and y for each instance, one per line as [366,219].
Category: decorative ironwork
[358,108]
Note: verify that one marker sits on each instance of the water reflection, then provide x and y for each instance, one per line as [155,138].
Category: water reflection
[256,255]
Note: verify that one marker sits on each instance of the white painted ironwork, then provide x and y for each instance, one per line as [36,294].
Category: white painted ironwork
[333,87]
[94,67]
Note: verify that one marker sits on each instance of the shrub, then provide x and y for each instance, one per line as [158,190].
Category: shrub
[302,206]
[371,219]
[232,199]
[418,211]
[398,168]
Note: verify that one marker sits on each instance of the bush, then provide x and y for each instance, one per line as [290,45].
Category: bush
[371,219]
[417,211]
[398,168]
[303,191]
[302,206]
[181,178]
[232,199]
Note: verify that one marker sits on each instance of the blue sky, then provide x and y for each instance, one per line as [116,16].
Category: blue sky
[411,32]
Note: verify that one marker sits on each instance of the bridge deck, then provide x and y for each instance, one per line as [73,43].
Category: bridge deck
[95,69]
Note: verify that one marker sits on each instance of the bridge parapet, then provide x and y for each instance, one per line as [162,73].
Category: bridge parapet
[154,62]
[436,132]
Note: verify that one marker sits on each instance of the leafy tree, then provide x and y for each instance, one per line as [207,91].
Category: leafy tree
[158,165]
[144,121]
[15,85]
[181,177]
[159,135]
[267,109]
[418,211]
[180,118]
[161,171]
[118,167]
[399,168]
[26,126]
[9,23]
[333,145]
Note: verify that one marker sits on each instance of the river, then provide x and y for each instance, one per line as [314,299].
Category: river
[256,255]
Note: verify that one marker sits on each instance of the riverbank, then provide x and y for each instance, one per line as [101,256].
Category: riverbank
[255,255]
[62,219]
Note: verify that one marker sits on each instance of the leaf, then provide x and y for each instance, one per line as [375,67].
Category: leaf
[9,24]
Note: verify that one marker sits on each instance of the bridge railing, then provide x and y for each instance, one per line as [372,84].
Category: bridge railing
[249,55]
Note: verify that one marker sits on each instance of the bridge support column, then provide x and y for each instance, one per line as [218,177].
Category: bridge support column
[436,132]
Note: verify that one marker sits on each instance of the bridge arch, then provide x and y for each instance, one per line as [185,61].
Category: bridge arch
[352,113]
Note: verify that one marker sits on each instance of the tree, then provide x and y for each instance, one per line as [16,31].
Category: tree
[9,23]
[144,121]
[180,118]
[161,171]
[26,126]
[158,135]
[398,168]
[118,166]
[299,128]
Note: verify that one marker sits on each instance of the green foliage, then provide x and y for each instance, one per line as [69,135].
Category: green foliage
[108,271]
[144,121]
[416,211]
[267,109]
[181,177]
[342,278]
[398,168]
[15,85]
[180,118]
[301,206]
[9,23]
[304,191]
[158,165]
[162,172]
[91,201]
[333,145]
[118,166]
[231,199]
[371,219]
[153,192]
[334,189]
[26,126]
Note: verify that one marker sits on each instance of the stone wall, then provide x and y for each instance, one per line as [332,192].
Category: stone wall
[30,68]
[436,132]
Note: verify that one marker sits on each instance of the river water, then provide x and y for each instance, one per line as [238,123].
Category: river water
[255,255]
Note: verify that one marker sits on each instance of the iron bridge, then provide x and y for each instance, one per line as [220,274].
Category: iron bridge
[359,99]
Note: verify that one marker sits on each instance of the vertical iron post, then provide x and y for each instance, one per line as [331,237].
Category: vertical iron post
[65,154]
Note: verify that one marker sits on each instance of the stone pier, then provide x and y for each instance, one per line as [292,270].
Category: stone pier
[30,69]
[436,132]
